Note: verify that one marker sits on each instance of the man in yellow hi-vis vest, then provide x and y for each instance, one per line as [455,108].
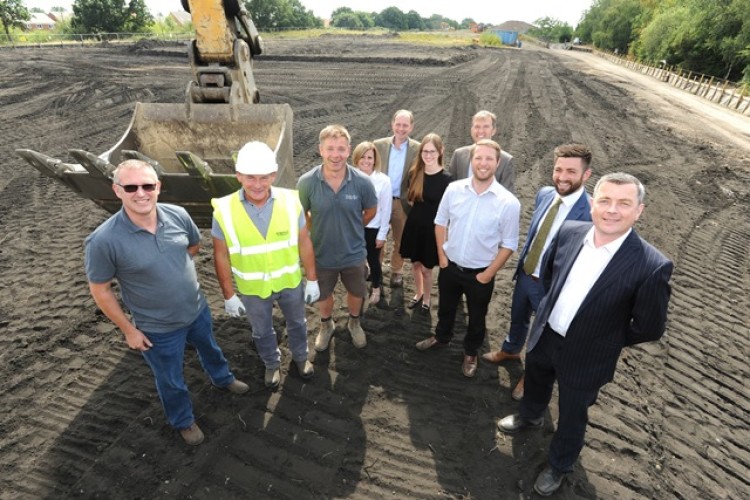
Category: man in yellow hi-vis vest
[259,236]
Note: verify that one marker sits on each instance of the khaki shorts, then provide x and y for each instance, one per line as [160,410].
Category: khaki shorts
[352,277]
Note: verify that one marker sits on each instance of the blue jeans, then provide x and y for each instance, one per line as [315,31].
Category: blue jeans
[526,297]
[260,314]
[166,359]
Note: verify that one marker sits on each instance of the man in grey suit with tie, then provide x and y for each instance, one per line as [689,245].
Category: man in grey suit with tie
[483,126]
[565,200]
[397,153]
[607,288]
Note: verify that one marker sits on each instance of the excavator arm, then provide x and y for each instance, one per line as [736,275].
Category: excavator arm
[221,53]
[192,145]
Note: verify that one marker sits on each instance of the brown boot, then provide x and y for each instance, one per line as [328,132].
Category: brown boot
[193,435]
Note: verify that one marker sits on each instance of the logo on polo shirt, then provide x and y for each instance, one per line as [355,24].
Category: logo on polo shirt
[351,197]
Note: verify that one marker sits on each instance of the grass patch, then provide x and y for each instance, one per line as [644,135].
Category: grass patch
[490,40]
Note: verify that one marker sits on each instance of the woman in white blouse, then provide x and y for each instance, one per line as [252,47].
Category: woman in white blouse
[365,157]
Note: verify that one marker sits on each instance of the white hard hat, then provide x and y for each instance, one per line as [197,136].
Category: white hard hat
[256,158]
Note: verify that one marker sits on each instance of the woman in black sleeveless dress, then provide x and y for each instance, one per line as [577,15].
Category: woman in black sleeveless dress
[427,183]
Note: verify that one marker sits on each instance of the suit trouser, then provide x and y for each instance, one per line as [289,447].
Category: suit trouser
[527,293]
[452,283]
[398,219]
[540,376]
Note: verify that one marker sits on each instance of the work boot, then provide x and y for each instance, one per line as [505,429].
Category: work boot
[304,368]
[358,334]
[324,335]
[193,435]
[238,387]
[273,377]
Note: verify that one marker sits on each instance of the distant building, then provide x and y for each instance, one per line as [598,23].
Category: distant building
[40,22]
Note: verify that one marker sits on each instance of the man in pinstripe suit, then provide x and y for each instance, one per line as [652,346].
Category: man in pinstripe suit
[606,288]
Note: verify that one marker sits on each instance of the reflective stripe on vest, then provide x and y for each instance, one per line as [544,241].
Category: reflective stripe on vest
[262,266]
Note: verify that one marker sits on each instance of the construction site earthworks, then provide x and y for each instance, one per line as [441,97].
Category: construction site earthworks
[80,414]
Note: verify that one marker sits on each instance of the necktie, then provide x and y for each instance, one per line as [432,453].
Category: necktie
[535,252]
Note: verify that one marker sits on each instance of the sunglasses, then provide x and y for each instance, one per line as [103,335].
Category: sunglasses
[132,188]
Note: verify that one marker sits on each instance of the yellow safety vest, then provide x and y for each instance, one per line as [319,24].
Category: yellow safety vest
[262,266]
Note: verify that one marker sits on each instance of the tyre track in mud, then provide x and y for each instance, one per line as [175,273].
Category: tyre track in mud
[386,421]
[705,398]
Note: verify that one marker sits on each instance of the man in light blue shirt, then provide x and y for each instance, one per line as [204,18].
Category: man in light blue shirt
[397,153]
[476,229]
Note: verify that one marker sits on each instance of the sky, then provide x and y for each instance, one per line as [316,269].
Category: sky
[485,11]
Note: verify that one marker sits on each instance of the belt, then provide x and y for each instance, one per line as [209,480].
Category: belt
[467,269]
[533,278]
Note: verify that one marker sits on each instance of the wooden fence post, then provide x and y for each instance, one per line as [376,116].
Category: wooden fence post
[723,88]
[708,87]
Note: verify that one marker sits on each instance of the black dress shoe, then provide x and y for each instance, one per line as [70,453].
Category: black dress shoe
[548,481]
[515,422]
[415,303]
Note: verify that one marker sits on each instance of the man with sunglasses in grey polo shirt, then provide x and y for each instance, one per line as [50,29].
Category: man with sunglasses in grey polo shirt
[148,248]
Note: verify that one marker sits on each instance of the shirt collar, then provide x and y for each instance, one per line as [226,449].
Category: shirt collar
[403,144]
[611,248]
[347,177]
[131,227]
[495,188]
[244,200]
[570,199]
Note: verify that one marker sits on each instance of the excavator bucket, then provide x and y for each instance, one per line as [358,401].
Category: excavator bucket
[192,146]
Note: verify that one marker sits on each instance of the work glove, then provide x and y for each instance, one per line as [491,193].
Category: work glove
[234,307]
[312,292]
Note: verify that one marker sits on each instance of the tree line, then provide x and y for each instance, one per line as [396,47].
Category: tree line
[705,36]
[132,16]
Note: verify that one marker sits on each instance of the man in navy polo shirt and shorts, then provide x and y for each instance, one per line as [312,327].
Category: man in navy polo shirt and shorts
[338,201]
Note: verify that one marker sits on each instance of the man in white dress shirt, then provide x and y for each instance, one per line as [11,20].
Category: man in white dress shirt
[476,228]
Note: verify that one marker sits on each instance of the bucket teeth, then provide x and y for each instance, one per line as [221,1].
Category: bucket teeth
[194,165]
[47,164]
[95,166]
[129,154]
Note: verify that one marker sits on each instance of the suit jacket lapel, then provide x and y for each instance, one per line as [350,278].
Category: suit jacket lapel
[569,256]
[625,258]
[580,208]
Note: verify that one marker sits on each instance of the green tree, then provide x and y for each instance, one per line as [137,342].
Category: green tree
[414,21]
[340,11]
[348,20]
[269,14]
[466,23]
[12,15]
[436,22]
[617,27]
[110,16]
[392,18]
[552,30]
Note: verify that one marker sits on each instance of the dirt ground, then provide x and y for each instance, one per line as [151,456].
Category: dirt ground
[80,415]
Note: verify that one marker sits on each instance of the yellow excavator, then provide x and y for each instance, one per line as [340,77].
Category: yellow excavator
[192,145]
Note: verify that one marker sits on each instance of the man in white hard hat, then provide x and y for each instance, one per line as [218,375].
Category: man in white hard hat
[260,235]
